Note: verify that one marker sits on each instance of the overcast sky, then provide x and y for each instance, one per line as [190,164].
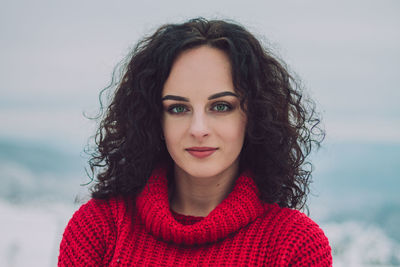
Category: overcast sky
[57,55]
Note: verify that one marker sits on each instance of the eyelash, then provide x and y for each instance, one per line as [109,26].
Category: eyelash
[228,107]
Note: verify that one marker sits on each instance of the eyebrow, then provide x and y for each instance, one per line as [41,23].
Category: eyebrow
[175,97]
[184,99]
[217,95]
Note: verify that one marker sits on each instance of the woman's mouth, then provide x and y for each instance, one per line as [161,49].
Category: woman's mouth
[201,152]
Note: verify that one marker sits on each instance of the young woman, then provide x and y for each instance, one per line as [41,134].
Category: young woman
[200,159]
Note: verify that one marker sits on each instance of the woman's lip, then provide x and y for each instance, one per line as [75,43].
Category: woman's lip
[201,148]
[201,152]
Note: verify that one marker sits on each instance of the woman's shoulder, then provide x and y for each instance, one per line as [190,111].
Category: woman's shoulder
[97,209]
[298,235]
[287,217]
[100,204]
[91,232]
[99,216]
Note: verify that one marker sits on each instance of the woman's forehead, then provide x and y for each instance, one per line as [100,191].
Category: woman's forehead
[200,71]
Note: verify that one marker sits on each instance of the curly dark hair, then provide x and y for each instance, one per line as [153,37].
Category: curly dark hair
[281,131]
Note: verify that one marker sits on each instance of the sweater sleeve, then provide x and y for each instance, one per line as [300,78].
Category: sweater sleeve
[89,237]
[310,247]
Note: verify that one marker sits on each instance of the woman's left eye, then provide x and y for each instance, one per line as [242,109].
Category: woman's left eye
[221,107]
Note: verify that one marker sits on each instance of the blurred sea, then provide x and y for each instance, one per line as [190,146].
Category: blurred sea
[354,199]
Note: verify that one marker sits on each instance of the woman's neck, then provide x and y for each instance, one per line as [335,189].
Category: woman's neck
[198,196]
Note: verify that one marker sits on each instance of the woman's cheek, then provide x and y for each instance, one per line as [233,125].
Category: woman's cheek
[174,128]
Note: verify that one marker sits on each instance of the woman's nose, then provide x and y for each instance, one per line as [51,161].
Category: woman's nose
[198,126]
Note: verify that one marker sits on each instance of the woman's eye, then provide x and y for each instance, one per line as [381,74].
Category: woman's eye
[221,107]
[177,109]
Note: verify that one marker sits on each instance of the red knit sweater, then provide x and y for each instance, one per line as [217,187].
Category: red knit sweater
[241,231]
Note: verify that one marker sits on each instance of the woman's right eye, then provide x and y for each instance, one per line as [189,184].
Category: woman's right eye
[177,109]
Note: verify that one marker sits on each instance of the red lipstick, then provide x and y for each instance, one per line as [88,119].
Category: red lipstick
[201,152]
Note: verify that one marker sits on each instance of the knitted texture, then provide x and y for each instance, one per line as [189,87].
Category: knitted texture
[240,231]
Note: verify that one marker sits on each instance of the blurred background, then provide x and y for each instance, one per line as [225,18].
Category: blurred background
[57,55]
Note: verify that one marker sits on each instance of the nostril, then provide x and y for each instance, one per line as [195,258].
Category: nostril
[198,126]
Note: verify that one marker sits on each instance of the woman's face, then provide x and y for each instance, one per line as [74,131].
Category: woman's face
[203,124]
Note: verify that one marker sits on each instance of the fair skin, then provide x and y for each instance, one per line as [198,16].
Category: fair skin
[204,129]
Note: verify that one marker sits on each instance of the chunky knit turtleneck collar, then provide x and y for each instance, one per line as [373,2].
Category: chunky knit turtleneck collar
[241,207]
